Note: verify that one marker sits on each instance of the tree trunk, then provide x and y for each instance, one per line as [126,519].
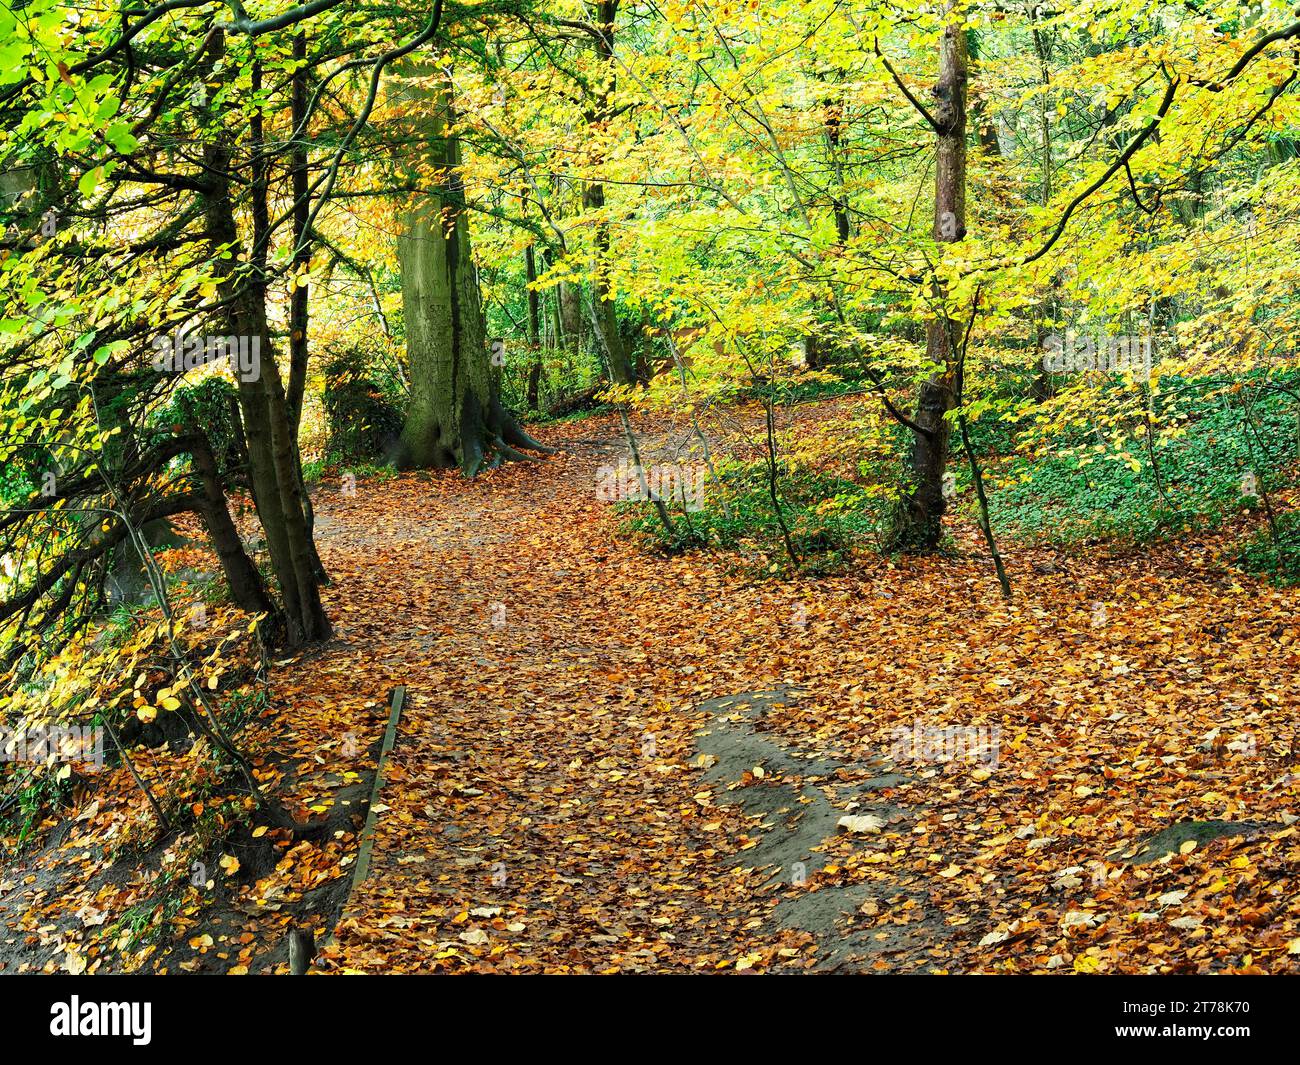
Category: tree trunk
[986,131]
[812,352]
[298,298]
[604,313]
[455,418]
[833,110]
[1044,113]
[919,525]
[298,306]
[274,472]
[534,327]
[569,315]
[247,590]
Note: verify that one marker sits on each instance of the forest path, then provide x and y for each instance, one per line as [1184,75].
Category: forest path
[541,810]
[617,760]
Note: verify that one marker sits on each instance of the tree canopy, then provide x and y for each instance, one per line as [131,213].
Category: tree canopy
[961,291]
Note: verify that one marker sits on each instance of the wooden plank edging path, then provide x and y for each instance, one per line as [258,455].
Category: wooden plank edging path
[302,951]
[368,833]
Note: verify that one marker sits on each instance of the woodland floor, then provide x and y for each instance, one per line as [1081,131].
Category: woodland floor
[575,789]
[613,760]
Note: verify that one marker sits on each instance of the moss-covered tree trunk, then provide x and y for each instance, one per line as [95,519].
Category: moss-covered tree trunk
[455,418]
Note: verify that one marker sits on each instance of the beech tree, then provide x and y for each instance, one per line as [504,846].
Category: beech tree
[455,416]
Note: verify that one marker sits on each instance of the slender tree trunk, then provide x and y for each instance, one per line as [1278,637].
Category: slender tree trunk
[247,590]
[534,327]
[274,472]
[298,305]
[299,297]
[833,109]
[1044,113]
[920,520]
[604,313]
[569,316]
[985,129]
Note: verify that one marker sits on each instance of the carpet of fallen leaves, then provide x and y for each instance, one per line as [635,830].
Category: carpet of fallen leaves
[544,811]
[103,890]
[541,814]
[545,808]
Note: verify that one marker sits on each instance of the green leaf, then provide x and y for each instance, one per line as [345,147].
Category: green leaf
[89,181]
[120,137]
